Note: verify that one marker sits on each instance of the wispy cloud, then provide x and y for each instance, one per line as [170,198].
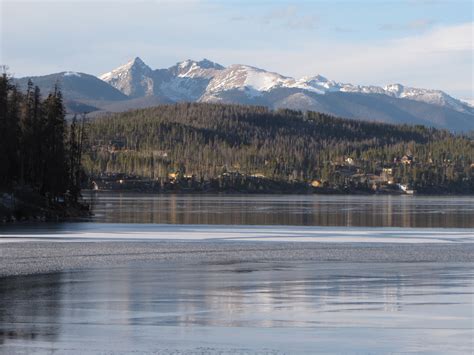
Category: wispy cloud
[410,59]
[238,18]
[343,29]
[415,25]
[292,18]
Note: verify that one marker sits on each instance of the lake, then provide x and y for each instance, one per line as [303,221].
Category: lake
[243,274]
[298,210]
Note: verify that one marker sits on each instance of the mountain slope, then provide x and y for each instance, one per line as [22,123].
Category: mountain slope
[134,78]
[82,92]
[79,85]
[379,107]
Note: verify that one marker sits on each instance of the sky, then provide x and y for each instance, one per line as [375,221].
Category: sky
[420,43]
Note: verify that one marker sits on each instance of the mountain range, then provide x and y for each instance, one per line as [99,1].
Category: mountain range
[136,85]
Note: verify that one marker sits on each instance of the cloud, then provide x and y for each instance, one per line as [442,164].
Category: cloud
[343,29]
[440,58]
[415,25]
[292,18]
[238,18]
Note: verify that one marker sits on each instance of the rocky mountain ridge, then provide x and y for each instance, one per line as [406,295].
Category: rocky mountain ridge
[136,85]
[208,81]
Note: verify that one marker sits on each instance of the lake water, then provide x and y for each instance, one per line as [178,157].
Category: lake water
[238,274]
[298,210]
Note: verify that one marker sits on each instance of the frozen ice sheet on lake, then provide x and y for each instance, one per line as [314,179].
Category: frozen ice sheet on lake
[134,232]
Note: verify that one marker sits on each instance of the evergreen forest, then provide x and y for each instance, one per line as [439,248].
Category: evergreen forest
[234,146]
[40,152]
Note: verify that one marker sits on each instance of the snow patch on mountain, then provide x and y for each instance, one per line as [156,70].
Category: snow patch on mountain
[260,80]
[436,97]
[253,81]
[188,80]
[318,84]
[296,101]
[469,102]
[72,73]
[193,69]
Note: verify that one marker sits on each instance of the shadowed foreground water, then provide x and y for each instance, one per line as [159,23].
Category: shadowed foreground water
[239,308]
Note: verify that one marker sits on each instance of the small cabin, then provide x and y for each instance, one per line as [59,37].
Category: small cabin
[407,159]
[316,183]
[174,176]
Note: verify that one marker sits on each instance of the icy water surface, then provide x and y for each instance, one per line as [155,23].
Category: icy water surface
[242,308]
[243,275]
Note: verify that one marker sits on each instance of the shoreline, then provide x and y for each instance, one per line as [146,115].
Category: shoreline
[29,206]
[277,192]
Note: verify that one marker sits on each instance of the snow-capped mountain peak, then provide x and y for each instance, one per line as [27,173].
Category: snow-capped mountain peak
[205,80]
[137,61]
[204,64]
[317,83]
[316,78]
[395,89]
[135,64]
[208,64]
[252,80]
[192,68]
[133,78]
[435,97]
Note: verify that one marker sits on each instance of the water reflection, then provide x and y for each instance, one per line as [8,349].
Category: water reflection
[133,303]
[306,210]
[30,308]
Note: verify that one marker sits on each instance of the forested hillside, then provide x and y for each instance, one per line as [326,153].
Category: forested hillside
[232,144]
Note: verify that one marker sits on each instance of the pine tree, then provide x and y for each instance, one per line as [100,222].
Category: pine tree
[56,172]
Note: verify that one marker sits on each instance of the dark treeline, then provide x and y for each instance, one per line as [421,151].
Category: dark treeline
[39,152]
[207,141]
